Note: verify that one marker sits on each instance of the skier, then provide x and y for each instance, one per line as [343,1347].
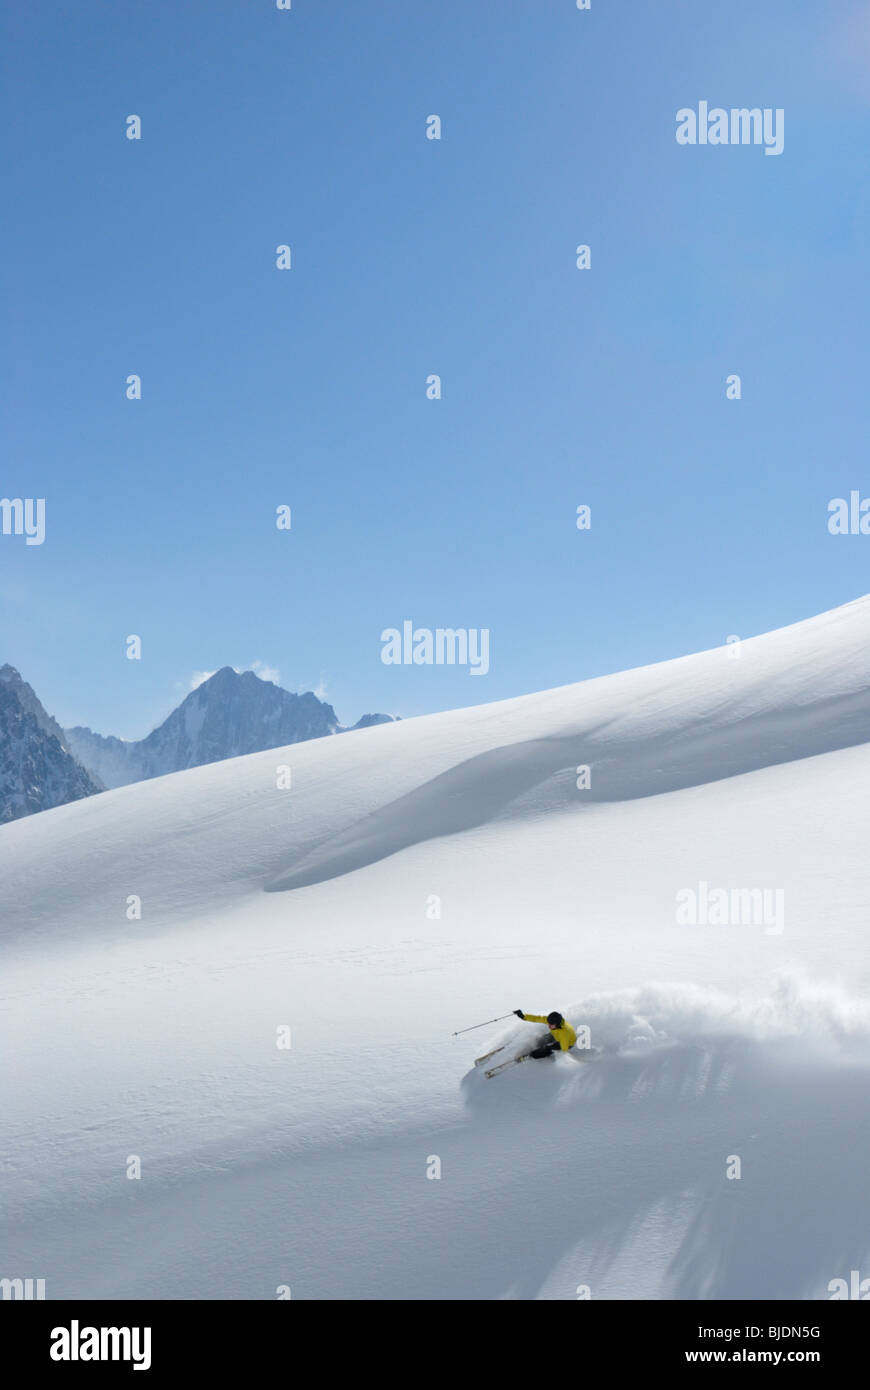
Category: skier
[563,1035]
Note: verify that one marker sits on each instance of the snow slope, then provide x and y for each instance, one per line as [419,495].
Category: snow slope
[421,877]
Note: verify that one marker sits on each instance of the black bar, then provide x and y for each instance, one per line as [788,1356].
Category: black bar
[221,1338]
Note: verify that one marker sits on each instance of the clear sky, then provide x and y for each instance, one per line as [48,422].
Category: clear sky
[411,256]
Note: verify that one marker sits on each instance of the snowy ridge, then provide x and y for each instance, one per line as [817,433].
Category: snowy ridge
[698,719]
[222,830]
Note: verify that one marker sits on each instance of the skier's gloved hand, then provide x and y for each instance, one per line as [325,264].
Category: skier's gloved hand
[519,1013]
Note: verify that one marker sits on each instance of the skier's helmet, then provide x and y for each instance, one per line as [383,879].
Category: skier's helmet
[555,1020]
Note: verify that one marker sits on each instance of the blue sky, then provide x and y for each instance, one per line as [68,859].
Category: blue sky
[411,257]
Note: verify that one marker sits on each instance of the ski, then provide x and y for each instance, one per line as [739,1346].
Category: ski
[511,1062]
[585,1054]
[479,1061]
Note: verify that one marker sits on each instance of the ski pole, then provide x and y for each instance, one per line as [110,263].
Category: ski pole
[481,1025]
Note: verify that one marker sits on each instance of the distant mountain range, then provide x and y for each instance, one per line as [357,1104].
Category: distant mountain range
[231,713]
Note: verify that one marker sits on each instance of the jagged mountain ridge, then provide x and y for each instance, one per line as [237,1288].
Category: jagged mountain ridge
[230,714]
[37,769]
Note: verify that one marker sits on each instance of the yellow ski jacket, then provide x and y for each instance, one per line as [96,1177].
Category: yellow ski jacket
[565,1036]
